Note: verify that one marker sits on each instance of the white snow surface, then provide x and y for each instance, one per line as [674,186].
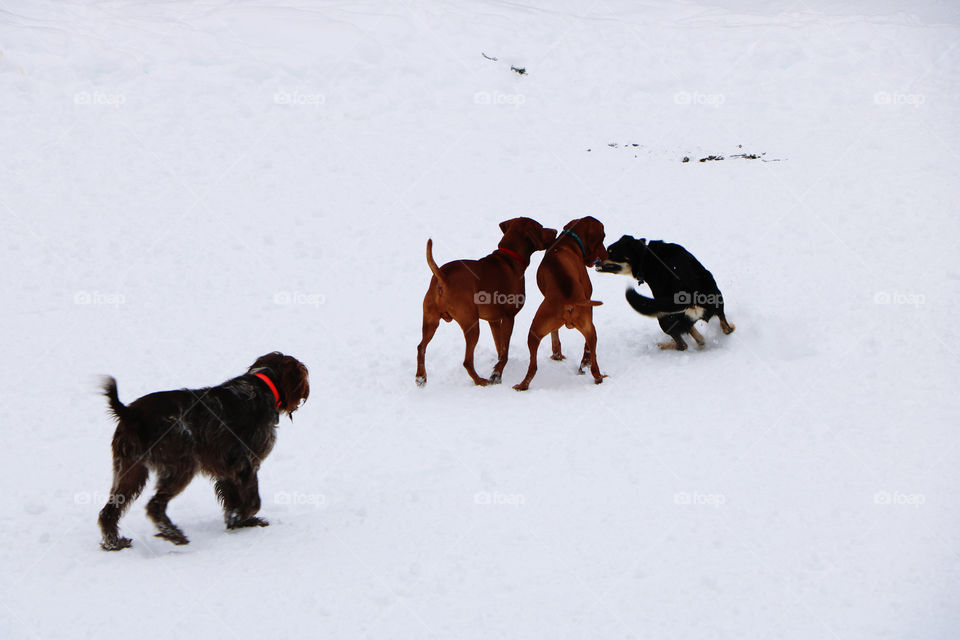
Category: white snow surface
[188,185]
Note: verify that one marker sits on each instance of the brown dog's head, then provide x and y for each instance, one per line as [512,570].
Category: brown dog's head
[539,237]
[590,232]
[291,377]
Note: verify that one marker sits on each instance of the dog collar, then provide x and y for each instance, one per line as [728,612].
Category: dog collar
[273,387]
[510,252]
[567,232]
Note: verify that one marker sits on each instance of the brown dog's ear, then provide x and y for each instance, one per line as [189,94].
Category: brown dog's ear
[597,231]
[549,236]
[505,225]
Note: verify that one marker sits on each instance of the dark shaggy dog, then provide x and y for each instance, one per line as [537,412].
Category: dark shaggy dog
[683,290]
[224,431]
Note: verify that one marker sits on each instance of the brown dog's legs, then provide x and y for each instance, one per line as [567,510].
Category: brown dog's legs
[172,481]
[544,322]
[430,324]
[127,485]
[585,325]
[502,331]
[585,360]
[471,335]
[555,343]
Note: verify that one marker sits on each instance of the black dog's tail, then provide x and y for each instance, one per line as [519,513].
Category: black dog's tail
[117,408]
[651,307]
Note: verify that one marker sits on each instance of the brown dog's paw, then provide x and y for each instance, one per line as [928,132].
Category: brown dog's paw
[600,379]
[481,382]
[521,387]
[496,378]
[116,544]
[421,381]
[558,357]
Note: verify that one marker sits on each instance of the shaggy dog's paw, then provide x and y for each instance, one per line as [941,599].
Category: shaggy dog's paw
[116,544]
[249,522]
[174,535]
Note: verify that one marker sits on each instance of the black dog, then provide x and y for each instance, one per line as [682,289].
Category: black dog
[683,290]
[224,432]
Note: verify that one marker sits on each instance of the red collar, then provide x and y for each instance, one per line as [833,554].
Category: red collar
[510,252]
[273,387]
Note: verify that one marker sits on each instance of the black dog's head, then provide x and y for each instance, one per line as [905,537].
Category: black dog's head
[625,258]
[289,374]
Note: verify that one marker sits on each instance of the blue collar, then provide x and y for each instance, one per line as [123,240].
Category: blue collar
[567,232]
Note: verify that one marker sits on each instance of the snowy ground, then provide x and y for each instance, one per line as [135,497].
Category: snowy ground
[187,185]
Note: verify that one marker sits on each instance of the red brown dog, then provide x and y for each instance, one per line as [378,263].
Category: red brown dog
[491,289]
[566,287]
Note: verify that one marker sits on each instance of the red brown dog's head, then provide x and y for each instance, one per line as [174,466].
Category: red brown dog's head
[590,232]
[289,375]
[532,231]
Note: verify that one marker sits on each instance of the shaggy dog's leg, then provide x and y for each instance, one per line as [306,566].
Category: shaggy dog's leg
[127,484]
[171,482]
[241,500]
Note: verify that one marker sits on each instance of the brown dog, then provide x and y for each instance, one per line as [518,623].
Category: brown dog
[566,287]
[491,289]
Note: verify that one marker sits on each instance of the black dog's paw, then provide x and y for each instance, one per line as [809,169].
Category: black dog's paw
[116,544]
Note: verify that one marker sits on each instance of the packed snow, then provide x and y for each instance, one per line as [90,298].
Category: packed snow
[189,185]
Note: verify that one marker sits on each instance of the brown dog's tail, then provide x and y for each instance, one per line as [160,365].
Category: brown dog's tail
[568,311]
[433,266]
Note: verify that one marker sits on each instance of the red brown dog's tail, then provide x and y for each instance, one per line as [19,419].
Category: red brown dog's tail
[568,311]
[434,267]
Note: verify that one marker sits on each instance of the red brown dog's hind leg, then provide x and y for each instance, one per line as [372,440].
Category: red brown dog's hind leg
[555,343]
[502,331]
[431,320]
[584,324]
[471,335]
[544,322]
